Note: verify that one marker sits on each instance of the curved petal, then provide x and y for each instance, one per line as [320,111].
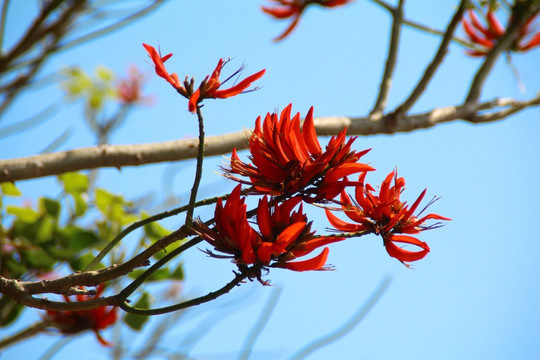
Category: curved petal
[345,170]
[313,244]
[290,234]
[309,134]
[342,225]
[315,263]
[402,254]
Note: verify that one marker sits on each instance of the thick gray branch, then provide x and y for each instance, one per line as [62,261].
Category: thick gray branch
[135,155]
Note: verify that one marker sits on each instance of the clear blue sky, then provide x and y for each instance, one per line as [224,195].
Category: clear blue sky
[475,296]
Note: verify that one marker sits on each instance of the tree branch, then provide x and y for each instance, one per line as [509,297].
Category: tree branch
[22,291]
[386,82]
[436,62]
[135,155]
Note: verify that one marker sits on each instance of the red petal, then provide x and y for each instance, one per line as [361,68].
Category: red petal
[345,170]
[309,134]
[238,88]
[402,254]
[193,100]
[494,25]
[289,29]
[476,37]
[314,244]
[280,12]
[342,225]
[315,263]
[266,250]
[263,218]
[290,234]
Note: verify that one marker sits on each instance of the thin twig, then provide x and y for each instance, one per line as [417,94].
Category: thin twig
[3,17]
[425,28]
[198,170]
[31,122]
[260,324]
[349,325]
[429,30]
[435,63]
[386,82]
[148,220]
[25,333]
[111,28]
[128,290]
[239,278]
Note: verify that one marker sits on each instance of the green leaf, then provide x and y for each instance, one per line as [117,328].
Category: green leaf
[113,207]
[80,204]
[74,183]
[49,206]
[136,322]
[9,310]
[9,189]
[44,231]
[14,268]
[104,74]
[77,239]
[37,258]
[80,263]
[178,273]
[159,275]
[23,213]
[155,231]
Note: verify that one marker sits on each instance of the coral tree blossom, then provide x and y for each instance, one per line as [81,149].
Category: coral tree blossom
[287,160]
[486,36]
[386,215]
[284,9]
[283,236]
[71,322]
[129,88]
[209,87]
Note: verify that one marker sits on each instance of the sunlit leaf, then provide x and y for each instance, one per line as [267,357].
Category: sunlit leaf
[159,275]
[23,213]
[74,183]
[9,189]
[80,263]
[44,231]
[49,206]
[9,310]
[37,258]
[178,273]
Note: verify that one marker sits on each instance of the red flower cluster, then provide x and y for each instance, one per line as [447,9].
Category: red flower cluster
[283,235]
[71,322]
[209,87]
[129,88]
[486,36]
[287,160]
[385,214]
[285,9]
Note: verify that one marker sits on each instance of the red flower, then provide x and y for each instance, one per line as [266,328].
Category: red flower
[283,235]
[71,322]
[158,61]
[385,214]
[287,160]
[294,8]
[129,88]
[486,36]
[209,87]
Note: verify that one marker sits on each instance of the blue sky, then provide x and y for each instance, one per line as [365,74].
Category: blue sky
[475,296]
